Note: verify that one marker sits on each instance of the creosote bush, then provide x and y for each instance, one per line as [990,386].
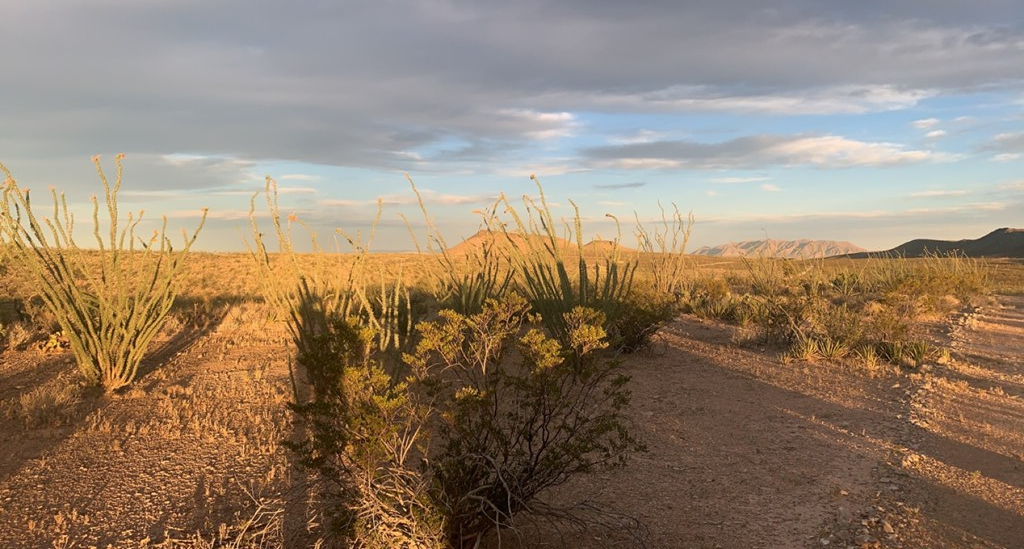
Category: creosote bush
[519,412]
[109,302]
[489,413]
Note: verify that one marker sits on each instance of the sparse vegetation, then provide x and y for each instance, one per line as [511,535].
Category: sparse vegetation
[823,310]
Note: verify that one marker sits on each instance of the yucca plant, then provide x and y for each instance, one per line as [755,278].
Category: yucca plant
[832,349]
[552,287]
[466,283]
[919,352]
[805,348]
[868,355]
[110,303]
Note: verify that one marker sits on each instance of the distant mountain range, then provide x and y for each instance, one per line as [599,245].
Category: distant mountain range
[1003,242]
[999,243]
[791,249]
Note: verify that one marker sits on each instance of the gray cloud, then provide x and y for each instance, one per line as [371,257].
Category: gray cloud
[1009,142]
[145,175]
[363,83]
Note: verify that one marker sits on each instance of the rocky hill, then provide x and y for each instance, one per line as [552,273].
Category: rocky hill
[1003,242]
[503,240]
[791,249]
[602,247]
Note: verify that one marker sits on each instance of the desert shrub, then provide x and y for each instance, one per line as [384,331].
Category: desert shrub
[486,414]
[500,399]
[643,315]
[17,335]
[514,427]
[847,284]
[919,352]
[886,324]
[713,297]
[804,348]
[111,302]
[832,349]
[839,323]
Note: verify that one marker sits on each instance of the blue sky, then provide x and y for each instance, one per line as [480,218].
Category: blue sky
[868,122]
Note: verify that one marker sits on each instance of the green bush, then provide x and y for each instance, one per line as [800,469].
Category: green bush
[110,302]
[511,429]
[485,415]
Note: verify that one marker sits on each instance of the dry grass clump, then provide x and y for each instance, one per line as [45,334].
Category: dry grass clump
[48,405]
[110,302]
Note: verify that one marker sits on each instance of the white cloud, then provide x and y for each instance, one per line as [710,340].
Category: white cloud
[429,197]
[296,190]
[925,123]
[935,134]
[937,193]
[542,170]
[543,126]
[844,99]
[641,136]
[1005,157]
[960,209]
[218,214]
[770,188]
[647,163]
[760,151]
[299,177]
[344,202]
[739,179]
[835,151]
[1009,137]
[975,206]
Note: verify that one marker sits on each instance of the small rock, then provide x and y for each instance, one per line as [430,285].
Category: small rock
[887,528]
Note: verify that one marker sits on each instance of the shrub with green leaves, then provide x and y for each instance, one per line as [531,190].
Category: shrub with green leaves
[481,419]
[515,424]
[109,302]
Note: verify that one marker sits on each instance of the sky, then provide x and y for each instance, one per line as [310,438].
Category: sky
[873,122]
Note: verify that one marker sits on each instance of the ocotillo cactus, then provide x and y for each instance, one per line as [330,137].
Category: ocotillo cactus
[110,302]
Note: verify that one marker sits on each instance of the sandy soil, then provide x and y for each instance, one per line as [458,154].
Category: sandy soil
[744,451]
